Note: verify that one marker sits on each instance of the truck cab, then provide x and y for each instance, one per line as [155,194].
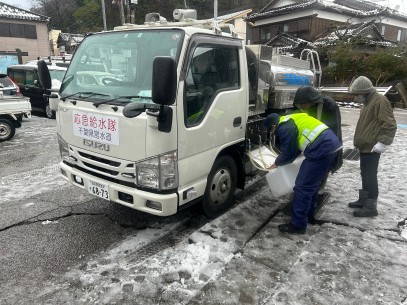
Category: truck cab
[166,125]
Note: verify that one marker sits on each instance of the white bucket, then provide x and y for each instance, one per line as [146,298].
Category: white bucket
[281,180]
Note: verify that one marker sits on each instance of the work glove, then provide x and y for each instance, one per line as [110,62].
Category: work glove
[379,148]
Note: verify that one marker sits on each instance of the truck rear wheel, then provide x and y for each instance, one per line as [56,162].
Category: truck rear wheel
[221,186]
[7,129]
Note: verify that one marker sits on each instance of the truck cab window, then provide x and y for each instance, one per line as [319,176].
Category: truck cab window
[212,69]
[119,63]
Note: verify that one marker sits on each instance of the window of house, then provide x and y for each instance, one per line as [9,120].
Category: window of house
[274,30]
[212,69]
[285,27]
[4,30]
[15,30]
[18,30]
[383,29]
[265,33]
[399,35]
[303,24]
[292,26]
[30,31]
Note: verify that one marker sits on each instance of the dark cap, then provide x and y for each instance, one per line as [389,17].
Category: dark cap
[271,119]
[307,95]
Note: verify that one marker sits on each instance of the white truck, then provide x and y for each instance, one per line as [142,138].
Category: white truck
[173,114]
[12,110]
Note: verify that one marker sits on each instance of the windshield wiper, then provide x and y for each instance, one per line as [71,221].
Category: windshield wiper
[96,104]
[89,93]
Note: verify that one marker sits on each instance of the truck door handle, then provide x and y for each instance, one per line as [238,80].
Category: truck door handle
[237,121]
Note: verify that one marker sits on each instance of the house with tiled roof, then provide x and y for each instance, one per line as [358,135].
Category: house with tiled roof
[23,32]
[366,30]
[67,43]
[310,20]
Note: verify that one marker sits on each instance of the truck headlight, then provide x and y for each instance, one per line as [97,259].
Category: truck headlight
[159,172]
[63,149]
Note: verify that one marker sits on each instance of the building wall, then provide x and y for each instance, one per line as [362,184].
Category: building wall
[392,33]
[321,22]
[34,47]
[53,37]
[307,28]
[321,26]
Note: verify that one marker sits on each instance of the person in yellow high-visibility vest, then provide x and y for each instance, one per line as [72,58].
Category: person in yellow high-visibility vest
[300,133]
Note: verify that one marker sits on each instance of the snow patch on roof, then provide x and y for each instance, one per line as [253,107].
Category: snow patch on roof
[323,4]
[12,12]
[353,31]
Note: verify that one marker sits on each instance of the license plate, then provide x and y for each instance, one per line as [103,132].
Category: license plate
[98,189]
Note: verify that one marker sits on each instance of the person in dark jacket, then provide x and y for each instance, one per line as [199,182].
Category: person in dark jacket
[325,109]
[375,130]
[300,133]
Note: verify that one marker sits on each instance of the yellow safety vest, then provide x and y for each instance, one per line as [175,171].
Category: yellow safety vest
[309,128]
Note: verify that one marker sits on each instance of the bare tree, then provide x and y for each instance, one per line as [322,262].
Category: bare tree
[60,12]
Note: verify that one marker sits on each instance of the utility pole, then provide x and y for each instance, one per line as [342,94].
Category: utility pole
[104,15]
[132,9]
[128,11]
[215,11]
[121,11]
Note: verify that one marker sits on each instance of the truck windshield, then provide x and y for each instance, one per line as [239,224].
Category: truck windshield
[116,64]
[57,74]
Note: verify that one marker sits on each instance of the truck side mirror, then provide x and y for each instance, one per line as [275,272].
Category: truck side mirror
[165,120]
[43,75]
[133,110]
[164,80]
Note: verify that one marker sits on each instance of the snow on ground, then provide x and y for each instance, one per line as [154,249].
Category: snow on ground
[228,261]
[172,276]
[35,182]
[241,258]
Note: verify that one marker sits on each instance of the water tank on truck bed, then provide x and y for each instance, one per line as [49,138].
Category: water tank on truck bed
[276,77]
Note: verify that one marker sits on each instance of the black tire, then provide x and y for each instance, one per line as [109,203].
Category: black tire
[7,129]
[220,188]
[48,112]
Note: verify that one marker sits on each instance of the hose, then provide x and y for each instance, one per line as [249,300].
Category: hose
[265,165]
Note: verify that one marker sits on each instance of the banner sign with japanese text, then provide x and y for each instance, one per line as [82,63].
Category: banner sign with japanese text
[96,127]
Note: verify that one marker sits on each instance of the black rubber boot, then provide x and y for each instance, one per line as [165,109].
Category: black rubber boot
[369,209]
[358,204]
[289,228]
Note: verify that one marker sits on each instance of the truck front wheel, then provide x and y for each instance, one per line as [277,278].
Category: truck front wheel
[7,129]
[221,186]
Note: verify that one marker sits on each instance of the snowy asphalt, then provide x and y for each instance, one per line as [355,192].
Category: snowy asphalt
[240,257]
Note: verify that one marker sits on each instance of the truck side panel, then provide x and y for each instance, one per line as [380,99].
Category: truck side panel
[215,111]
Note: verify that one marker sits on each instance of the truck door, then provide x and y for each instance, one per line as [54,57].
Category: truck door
[215,102]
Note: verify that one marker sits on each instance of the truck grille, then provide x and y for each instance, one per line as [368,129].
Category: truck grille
[104,167]
[101,169]
[98,159]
